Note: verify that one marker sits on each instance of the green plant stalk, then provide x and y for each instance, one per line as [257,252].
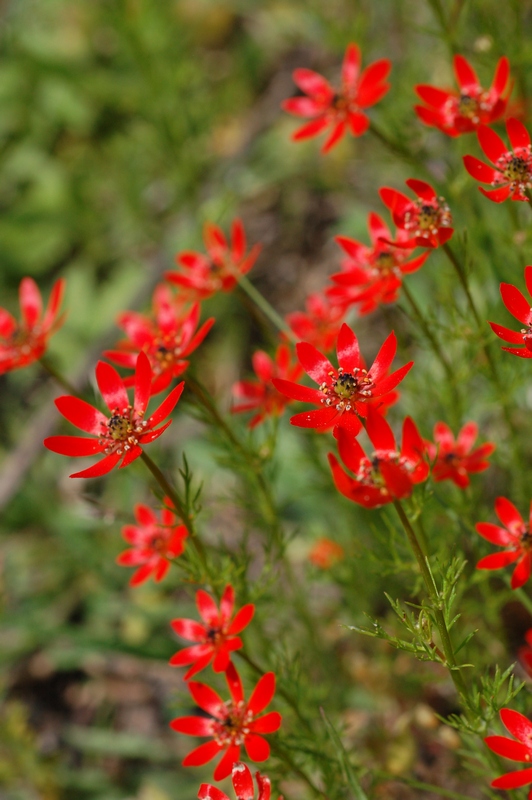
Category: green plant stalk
[266,308]
[428,579]
[425,327]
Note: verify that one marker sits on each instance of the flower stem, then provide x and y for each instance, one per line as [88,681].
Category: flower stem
[56,375]
[425,327]
[267,309]
[434,595]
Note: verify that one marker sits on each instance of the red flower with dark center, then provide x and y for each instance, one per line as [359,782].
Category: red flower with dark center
[218,271]
[260,395]
[121,436]
[242,784]
[232,724]
[521,308]
[427,220]
[216,638]
[154,543]
[319,324]
[520,750]
[516,536]
[25,342]
[342,109]
[372,276]
[167,339]
[388,474]
[345,392]
[453,460]
[460,112]
[512,169]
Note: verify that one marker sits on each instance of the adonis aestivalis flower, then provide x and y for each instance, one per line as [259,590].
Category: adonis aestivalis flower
[515,536]
[231,723]
[521,308]
[521,750]
[120,436]
[511,173]
[22,343]
[454,460]
[339,109]
[457,112]
[215,637]
[242,784]
[427,219]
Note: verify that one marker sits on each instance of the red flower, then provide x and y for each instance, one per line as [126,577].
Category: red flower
[427,219]
[22,344]
[373,275]
[260,395]
[217,271]
[340,110]
[154,543]
[120,436]
[232,724]
[512,170]
[345,392]
[389,473]
[216,638]
[242,784]
[520,750]
[166,340]
[521,309]
[515,536]
[462,112]
[453,460]
[325,553]
[319,324]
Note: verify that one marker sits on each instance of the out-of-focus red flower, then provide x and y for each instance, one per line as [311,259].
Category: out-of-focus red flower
[453,460]
[520,750]
[219,269]
[242,784]
[167,339]
[516,536]
[344,392]
[388,474]
[121,436]
[521,308]
[216,638]
[512,169]
[154,542]
[372,276]
[340,110]
[231,724]
[460,112]
[260,395]
[525,653]
[324,553]
[427,220]
[25,342]
[319,324]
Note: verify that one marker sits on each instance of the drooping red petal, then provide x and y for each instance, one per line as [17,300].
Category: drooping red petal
[522,572]
[350,450]
[337,133]
[379,431]
[202,754]
[257,748]
[225,766]
[396,479]
[208,792]
[242,782]
[81,414]
[111,386]
[311,129]
[358,122]
[100,468]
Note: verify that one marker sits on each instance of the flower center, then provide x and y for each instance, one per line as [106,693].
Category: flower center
[369,472]
[426,217]
[468,107]
[234,728]
[121,431]
[385,261]
[515,169]
[214,635]
[526,539]
[345,386]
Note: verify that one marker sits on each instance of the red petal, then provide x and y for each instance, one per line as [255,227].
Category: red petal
[167,406]
[242,782]
[242,619]
[208,792]
[516,303]
[313,83]
[30,302]
[467,436]
[311,129]
[111,386]
[371,77]
[54,302]
[507,513]
[491,143]
[316,365]
[189,629]
[342,481]
[517,133]
[513,780]
[234,683]
[502,73]
[431,95]
[265,786]
[478,170]
[321,418]
[302,106]
[509,748]
[74,446]
[350,450]
[227,603]
[358,123]
[81,414]
[514,337]
[497,195]
[262,693]
[522,572]
[421,188]
[379,431]
[207,608]
[144,515]
[192,726]
[207,699]
[257,748]
[143,376]
[100,468]
[498,560]
[202,754]
[444,437]
[238,240]
[384,358]
[348,350]
[337,133]
[397,480]
[189,655]
[225,766]
[518,725]
[297,392]
[494,534]
[389,383]
[351,65]
[465,74]
[269,723]
[394,200]
[131,455]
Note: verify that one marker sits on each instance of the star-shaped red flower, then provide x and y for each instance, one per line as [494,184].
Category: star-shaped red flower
[119,437]
[388,473]
[372,276]
[260,395]
[521,308]
[242,784]
[344,392]
[216,638]
[340,110]
[512,169]
[516,536]
[520,750]
[460,112]
[167,339]
[319,324]
[231,724]
[218,270]
[453,460]
[154,543]
[427,220]
[25,342]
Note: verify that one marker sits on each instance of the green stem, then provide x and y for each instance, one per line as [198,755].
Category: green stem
[267,309]
[462,277]
[434,595]
[56,375]
[170,492]
[425,327]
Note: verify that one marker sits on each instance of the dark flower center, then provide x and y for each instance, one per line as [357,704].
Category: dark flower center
[426,217]
[234,727]
[468,106]
[214,635]
[526,539]
[121,431]
[517,169]
[345,386]
[385,261]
